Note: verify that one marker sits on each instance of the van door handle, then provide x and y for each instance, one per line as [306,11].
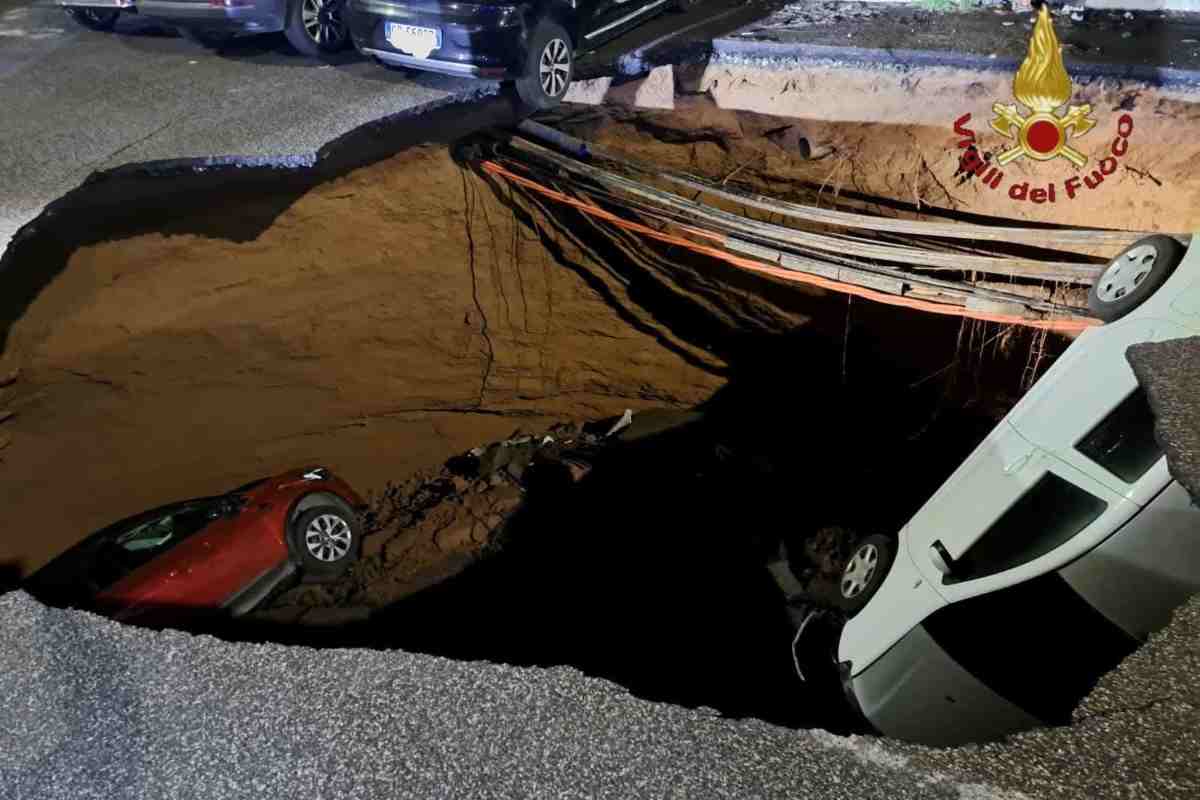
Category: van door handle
[941,558]
[1018,463]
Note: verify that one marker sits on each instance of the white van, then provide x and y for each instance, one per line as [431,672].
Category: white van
[1058,545]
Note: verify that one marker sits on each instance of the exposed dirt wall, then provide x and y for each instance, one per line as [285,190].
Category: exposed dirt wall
[891,133]
[381,323]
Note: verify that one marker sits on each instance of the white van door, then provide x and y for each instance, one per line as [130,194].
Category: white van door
[1088,410]
[1002,468]
[1011,512]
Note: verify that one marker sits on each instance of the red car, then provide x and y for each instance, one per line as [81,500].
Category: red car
[213,553]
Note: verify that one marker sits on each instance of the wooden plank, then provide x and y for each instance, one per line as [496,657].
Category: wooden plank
[1043,237]
[912,257]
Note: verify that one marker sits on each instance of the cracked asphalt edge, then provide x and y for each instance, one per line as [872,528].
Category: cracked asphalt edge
[98,709]
[1174,395]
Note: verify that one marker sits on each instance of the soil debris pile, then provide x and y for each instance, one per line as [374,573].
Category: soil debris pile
[430,527]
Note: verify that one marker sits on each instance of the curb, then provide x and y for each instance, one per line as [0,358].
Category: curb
[785,54]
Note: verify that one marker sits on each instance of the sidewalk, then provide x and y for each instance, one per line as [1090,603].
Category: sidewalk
[1160,48]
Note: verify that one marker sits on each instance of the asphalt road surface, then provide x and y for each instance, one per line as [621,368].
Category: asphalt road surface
[73,101]
[95,709]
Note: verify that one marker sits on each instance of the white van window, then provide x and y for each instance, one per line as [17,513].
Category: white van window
[1048,514]
[1123,442]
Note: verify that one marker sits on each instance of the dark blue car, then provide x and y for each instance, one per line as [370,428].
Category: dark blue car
[532,44]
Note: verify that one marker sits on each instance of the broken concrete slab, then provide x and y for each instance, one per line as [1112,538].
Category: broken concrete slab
[590,92]
[1097,41]
[654,90]
[1169,373]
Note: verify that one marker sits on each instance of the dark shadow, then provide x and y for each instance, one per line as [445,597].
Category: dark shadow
[650,571]
[149,34]
[136,26]
[10,576]
[273,49]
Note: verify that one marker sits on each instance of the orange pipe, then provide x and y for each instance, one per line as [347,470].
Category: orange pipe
[1065,325]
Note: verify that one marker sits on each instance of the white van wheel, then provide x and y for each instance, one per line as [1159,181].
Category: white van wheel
[1133,276]
[865,570]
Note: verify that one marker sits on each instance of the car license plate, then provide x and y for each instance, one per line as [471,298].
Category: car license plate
[413,40]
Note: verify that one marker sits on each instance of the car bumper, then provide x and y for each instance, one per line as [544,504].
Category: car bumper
[918,693]
[110,4]
[478,41]
[237,16]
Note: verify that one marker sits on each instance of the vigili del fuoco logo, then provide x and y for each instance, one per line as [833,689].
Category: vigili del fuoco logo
[1041,126]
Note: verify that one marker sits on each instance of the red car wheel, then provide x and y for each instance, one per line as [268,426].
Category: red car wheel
[326,539]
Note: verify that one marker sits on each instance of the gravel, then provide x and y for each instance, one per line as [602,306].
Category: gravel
[97,709]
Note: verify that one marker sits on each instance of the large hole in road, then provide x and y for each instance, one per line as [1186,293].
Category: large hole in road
[181,333]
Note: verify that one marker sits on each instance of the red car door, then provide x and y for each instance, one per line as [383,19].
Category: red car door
[219,553]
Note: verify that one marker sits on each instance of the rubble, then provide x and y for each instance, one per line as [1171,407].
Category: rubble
[424,530]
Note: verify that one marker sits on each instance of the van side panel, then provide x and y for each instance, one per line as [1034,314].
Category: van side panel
[993,664]
[917,692]
[1147,569]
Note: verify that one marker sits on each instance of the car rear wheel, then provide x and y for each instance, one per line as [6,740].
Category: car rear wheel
[1133,276]
[96,19]
[317,27]
[326,540]
[864,572]
[549,67]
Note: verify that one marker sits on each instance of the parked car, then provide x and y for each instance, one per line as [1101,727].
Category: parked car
[213,553]
[1057,546]
[313,27]
[533,43]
